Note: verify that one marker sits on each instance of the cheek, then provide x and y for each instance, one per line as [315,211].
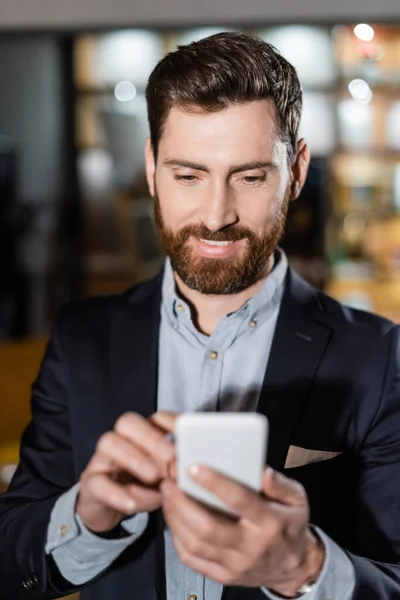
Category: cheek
[259,208]
[257,213]
[179,206]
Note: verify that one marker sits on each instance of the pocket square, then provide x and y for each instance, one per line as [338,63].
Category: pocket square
[298,457]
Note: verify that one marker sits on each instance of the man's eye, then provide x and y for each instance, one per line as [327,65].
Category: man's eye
[186,178]
[254,179]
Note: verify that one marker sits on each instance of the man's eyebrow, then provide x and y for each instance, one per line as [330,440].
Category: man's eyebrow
[175,162]
[268,165]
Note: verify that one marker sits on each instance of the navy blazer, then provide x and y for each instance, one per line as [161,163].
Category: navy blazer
[332,384]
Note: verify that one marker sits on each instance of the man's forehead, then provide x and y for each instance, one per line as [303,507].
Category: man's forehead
[243,132]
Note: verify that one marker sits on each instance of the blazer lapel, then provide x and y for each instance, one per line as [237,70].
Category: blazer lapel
[297,349]
[134,333]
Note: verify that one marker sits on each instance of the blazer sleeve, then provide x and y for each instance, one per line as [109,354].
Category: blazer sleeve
[377,523]
[44,473]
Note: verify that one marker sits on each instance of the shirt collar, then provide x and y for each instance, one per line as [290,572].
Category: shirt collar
[257,309]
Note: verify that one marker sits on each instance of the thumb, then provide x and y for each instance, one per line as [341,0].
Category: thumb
[281,489]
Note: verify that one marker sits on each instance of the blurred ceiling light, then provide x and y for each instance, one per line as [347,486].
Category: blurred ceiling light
[125,91]
[126,55]
[318,107]
[364,32]
[309,49]
[356,124]
[95,170]
[360,91]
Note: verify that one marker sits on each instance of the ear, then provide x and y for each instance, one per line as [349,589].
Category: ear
[300,166]
[150,165]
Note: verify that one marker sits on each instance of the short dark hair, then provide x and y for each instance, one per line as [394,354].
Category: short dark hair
[220,70]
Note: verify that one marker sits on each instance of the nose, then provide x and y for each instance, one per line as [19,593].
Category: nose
[219,209]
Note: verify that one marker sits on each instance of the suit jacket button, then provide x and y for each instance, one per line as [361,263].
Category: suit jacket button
[28,584]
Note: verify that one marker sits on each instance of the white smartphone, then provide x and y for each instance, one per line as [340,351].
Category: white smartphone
[235,444]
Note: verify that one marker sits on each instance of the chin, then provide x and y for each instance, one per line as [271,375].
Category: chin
[213,277]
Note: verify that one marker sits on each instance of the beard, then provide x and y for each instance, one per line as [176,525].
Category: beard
[216,276]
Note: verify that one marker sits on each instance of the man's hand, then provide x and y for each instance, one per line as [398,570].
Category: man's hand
[124,473]
[269,545]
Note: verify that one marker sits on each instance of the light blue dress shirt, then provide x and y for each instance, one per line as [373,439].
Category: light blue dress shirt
[222,372]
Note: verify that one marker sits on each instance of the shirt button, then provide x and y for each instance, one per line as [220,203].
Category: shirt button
[63,530]
[192,597]
[213,355]
[181,308]
[252,324]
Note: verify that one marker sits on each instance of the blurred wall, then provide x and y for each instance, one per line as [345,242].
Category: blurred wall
[31,113]
[86,13]
[32,117]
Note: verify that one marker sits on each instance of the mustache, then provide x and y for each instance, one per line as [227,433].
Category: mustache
[230,233]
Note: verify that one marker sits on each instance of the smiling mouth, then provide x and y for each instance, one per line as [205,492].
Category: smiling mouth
[219,244]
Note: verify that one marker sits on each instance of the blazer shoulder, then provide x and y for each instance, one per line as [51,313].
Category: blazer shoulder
[97,309]
[344,316]
[334,314]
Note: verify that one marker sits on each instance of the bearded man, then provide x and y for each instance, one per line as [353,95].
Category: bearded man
[226,326]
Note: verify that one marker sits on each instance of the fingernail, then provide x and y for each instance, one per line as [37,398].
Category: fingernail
[130,506]
[269,474]
[195,471]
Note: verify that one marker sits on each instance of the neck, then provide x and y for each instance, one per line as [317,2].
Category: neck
[207,310]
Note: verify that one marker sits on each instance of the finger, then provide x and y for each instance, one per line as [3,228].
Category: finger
[224,556]
[189,517]
[245,502]
[109,493]
[99,463]
[165,420]
[146,499]
[196,547]
[148,437]
[210,569]
[281,489]
[119,453]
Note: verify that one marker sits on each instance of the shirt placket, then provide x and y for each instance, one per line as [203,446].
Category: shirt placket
[209,396]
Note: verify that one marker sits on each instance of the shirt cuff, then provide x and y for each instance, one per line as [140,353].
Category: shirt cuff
[79,554]
[337,578]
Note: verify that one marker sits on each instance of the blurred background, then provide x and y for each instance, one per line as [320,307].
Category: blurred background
[75,214]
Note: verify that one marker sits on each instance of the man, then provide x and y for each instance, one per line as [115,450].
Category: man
[226,326]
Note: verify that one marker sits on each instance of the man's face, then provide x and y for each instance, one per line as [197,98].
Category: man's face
[221,185]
